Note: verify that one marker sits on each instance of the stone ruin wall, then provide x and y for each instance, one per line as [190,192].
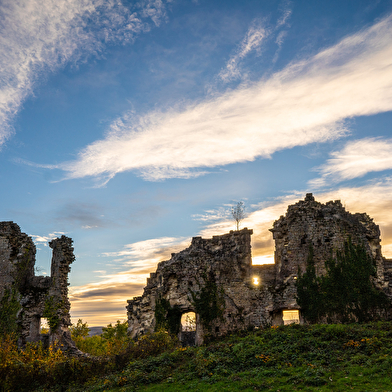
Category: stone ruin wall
[17,261]
[324,226]
[228,259]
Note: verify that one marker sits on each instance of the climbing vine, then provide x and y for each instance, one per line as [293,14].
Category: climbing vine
[346,293]
[9,303]
[167,317]
[9,307]
[208,301]
[51,312]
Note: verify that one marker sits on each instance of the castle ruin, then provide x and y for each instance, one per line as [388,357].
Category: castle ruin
[35,297]
[253,295]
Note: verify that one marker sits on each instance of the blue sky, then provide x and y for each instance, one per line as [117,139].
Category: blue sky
[133,126]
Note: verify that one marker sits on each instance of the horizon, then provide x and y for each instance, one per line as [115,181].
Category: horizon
[132,127]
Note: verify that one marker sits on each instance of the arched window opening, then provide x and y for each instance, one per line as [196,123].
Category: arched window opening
[44,326]
[188,322]
[290,317]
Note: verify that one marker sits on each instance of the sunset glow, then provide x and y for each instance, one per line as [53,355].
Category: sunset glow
[132,127]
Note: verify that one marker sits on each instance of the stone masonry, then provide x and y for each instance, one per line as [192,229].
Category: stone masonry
[228,259]
[36,293]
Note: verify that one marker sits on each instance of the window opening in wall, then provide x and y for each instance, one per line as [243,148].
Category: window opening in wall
[290,317]
[44,326]
[261,260]
[188,322]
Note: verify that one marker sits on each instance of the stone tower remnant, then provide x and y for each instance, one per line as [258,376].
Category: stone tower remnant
[36,297]
[254,295]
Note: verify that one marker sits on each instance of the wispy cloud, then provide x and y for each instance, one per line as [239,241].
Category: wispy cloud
[112,291]
[356,159]
[39,36]
[148,251]
[251,42]
[104,301]
[44,239]
[307,102]
[84,215]
[286,13]
[213,215]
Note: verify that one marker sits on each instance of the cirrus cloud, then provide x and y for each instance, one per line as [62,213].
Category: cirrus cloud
[356,159]
[306,102]
[40,36]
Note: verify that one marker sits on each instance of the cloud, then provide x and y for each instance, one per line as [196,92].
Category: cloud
[103,302]
[374,198]
[148,252]
[44,239]
[306,102]
[356,159]
[286,13]
[213,215]
[40,36]
[252,41]
[85,215]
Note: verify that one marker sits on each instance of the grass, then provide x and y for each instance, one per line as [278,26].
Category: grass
[307,358]
[356,357]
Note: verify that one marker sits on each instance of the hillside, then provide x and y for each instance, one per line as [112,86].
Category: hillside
[319,357]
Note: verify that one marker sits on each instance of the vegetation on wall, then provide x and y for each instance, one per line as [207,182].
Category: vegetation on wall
[346,293]
[51,312]
[9,307]
[208,301]
[167,317]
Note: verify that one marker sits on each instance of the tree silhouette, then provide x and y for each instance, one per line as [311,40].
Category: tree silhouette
[238,213]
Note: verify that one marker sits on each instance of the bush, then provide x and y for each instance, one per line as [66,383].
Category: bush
[153,344]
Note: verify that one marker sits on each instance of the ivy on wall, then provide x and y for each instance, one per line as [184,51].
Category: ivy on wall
[208,301]
[9,303]
[166,316]
[346,293]
[9,307]
[51,312]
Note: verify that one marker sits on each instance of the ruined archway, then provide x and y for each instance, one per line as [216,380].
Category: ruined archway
[187,333]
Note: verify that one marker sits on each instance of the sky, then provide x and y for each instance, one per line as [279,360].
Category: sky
[133,126]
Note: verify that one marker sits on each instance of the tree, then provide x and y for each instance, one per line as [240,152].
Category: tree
[346,293]
[238,213]
[117,331]
[309,295]
[80,330]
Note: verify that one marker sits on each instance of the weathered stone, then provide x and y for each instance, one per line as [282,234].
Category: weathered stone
[228,260]
[38,296]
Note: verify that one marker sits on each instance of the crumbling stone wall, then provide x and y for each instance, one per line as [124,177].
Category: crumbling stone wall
[38,296]
[325,227]
[227,258]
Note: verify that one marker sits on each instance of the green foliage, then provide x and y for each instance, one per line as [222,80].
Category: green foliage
[295,357]
[153,344]
[311,358]
[309,296]
[346,293]
[80,330]
[51,312]
[113,341]
[208,301]
[118,331]
[9,307]
[167,318]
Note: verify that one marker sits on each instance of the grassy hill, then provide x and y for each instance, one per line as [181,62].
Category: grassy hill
[355,357]
[312,358]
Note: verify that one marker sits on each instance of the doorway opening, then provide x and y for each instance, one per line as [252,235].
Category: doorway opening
[188,329]
[291,317]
